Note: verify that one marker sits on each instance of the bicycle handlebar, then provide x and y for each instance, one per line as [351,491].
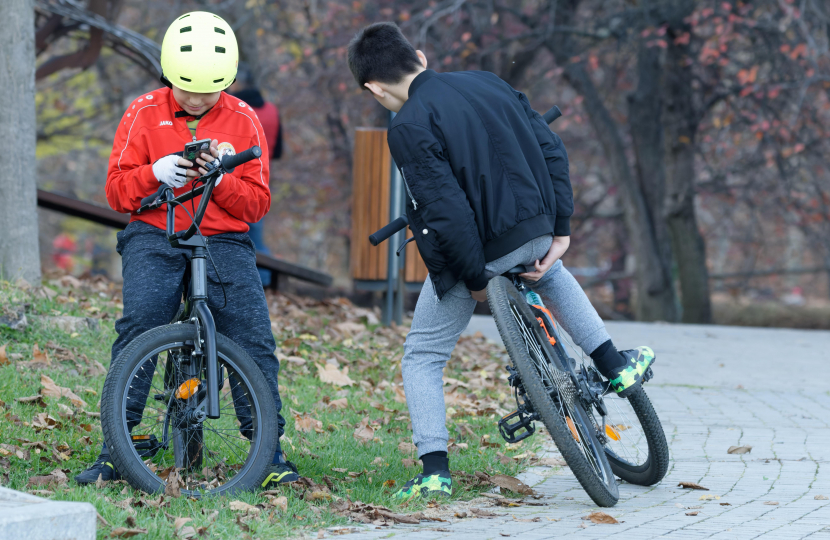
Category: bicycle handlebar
[552,115]
[389,230]
[164,195]
[229,163]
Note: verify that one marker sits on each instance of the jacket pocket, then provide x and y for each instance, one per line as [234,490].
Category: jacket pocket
[419,183]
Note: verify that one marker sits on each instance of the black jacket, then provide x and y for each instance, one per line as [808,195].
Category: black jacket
[483,172]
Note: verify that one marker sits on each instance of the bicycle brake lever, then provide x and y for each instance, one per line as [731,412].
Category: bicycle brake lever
[402,246]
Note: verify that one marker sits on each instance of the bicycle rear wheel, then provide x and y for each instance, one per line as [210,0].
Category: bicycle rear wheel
[153,423]
[636,447]
[551,392]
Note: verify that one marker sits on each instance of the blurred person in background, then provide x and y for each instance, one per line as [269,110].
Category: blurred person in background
[245,89]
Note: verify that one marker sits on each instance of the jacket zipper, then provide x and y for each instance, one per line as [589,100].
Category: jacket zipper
[406,185]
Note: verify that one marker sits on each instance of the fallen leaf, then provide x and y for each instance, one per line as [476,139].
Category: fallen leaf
[739,450]
[483,513]
[329,373]
[725,504]
[306,423]
[130,521]
[39,357]
[510,483]
[50,389]
[709,497]
[173,487]
[692,485]
[410,462]
[57,477]
[320,496]
[601,517]
[364,432]
[341,403]
[240,506]
[820,497]
[188,532]
[696,512]
[532,520]
[280,502]
[123,532]
[179,522]
[242,525]
[389,484]
[45,421]
[3,358]
[101,483]
[407,448]
[771,503]
[32,400]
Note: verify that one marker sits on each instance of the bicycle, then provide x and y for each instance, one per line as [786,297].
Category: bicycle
[167,400]
[571,399]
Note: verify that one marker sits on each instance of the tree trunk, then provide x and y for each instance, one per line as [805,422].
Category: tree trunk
[19,254]
[680,123]
[644,120]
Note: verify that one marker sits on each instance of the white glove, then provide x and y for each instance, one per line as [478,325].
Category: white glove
[168,171]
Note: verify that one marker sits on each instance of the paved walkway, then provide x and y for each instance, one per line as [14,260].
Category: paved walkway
[714,387]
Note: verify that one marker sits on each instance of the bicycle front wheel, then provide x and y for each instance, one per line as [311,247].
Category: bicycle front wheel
[636,448]
[551,392]
[152,415]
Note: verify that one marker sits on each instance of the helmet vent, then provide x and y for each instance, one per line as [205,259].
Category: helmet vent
[218,30]
[219,80]
[220,49]
[185,79]
[186,48]
[185,29]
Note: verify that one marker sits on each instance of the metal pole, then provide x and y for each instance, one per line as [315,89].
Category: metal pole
[396,203]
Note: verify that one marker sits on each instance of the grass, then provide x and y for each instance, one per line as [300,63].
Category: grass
[309,333]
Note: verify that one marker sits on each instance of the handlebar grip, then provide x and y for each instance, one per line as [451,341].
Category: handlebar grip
[390,229]
[151,198]
[232,162]
[552,115]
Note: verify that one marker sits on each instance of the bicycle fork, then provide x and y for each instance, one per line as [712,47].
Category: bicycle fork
[206,329]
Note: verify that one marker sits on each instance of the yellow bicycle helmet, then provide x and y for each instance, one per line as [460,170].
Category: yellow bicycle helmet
[199,53]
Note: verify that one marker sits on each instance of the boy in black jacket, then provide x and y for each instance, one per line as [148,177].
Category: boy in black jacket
[488,189]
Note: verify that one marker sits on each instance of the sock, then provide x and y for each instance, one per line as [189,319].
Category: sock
[606,358]
[278,458]
[435,462]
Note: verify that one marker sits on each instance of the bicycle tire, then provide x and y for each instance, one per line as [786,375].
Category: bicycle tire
[500,294]
[657,463]
[121,448]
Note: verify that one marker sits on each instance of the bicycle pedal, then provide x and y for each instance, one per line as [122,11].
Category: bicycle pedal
[508,430]
[648,375]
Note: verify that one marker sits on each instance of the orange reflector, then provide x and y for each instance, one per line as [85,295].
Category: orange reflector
[572,427]
[187,389]
[141,437]
[612,432]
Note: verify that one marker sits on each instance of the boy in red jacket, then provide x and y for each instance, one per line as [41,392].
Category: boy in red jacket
[199,61]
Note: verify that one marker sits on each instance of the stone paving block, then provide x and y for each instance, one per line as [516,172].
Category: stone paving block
[25,517]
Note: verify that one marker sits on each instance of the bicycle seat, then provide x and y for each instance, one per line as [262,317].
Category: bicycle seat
[520,269]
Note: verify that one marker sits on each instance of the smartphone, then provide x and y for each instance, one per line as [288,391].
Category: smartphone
[195,149]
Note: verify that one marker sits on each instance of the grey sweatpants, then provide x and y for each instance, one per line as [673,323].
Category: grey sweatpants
[437,324]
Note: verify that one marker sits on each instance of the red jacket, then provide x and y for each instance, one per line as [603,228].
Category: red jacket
[149,130]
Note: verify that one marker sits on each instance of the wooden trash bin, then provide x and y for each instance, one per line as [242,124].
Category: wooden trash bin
[370,211]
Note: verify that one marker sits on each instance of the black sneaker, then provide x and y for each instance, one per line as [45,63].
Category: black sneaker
[102,467]
[281,473]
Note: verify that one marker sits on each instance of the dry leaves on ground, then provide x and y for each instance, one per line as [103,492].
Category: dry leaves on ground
[123,532]
[510,483]
[696,512]
[364,432]
[329,373]
[50,389]
[32,400]
[820,497]
[173,487]
[600,517]
[341,403]
[4,359]
[739,450]
[56,477]
[305,423]
[771,503]
[692,485]
[241,506]
[405,447]
[374,514]
[709,497]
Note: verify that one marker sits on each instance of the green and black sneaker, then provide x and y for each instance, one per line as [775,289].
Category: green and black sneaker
[439,483]
[102,467]
[281,473]
[626,379]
